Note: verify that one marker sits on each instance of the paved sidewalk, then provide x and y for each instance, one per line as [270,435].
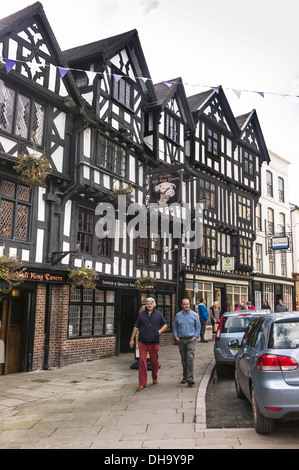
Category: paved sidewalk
[95,405]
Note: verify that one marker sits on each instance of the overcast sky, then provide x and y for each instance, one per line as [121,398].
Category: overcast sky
[250,46]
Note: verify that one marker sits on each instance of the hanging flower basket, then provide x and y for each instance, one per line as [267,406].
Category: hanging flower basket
[33,168]
[145,283]
[12,272]
[83,277]
[122,190]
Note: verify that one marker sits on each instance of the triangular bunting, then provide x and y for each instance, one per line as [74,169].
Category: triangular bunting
[237,92]
[215,89]
[168,84]
[9,64]
[117,77]
[63,71]
[261,93]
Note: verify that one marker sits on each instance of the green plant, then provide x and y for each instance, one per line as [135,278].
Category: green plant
[12,272]
[145,282]
[83,277]
[123,190]
[33,168]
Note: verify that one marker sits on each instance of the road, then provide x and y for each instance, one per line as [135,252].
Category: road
[225,410]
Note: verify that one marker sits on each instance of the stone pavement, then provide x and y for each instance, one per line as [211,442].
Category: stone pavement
[95,405]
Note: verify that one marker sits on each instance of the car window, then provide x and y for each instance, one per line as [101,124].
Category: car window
[284,335]
[236,324]
[253,333]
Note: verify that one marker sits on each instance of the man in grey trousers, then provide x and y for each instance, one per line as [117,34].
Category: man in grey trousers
[186,332]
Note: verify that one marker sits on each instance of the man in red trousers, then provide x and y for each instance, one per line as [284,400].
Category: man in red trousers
[151,324]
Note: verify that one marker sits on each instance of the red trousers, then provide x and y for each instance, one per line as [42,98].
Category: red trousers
[153,352]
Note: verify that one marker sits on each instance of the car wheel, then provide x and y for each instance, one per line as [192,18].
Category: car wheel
[239,391]
[262,424]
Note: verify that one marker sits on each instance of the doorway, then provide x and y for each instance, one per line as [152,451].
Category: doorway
[13,321]
[128,315]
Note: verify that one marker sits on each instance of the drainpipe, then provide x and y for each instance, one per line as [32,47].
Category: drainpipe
[47,326]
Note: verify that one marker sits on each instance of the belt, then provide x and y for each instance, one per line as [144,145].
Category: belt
[187,337]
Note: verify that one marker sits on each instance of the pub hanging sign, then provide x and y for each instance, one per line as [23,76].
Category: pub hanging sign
[165,187]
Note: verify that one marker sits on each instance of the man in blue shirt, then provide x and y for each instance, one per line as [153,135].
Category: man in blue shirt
[186,331]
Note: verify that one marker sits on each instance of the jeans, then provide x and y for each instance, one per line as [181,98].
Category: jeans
[203,324]
[187,351]
[153,350]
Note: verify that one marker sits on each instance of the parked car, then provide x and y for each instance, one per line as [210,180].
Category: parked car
[267,369]
[232,325]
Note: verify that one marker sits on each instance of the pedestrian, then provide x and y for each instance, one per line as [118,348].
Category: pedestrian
[150,324]
[237,307]
[266,305]
[186,332]
[203,316]
[281,307]
[250,306]
[215,316]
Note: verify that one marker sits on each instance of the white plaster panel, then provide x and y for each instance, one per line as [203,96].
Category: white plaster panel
[39,246]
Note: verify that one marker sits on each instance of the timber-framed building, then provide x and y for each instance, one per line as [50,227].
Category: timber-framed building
[104,126]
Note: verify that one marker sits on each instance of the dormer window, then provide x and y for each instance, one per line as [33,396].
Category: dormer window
[123,92]
[172,128]
[213,142]
[248,163]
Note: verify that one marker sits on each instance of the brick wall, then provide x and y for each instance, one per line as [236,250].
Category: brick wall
[62,350]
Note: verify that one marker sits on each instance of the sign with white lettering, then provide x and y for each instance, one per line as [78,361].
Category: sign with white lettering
[228,263]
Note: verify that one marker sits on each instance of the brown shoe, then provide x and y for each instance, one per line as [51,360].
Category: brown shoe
[184,381]
[155,381]
[140,388]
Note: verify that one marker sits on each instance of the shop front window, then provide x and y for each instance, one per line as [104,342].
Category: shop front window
[236,296]
[91,313]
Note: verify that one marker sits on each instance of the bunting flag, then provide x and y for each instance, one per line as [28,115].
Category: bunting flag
[63,71]
[117,78]
[91,75]
[9,64]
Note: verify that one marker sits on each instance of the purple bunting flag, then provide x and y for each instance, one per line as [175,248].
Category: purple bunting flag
[63,71]
[9,64]
[168,84]
[117,77]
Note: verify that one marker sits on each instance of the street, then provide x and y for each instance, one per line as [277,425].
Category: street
[225,410]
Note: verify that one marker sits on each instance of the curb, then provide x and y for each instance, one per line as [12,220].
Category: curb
[200,409]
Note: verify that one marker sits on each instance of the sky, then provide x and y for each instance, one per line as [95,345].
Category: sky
[248,46]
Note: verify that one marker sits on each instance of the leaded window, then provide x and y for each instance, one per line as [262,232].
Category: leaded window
[15,209]
[213,142]
[111,156]
[123,92]
[91,312]
[22,116]
[172,128]
[84,231]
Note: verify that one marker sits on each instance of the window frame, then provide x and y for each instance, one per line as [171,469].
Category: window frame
[269,183]
[280,182]
[213,140]
[111,156]
[16,116]
[123,92]
[16,201]
[88,298]
[172,127]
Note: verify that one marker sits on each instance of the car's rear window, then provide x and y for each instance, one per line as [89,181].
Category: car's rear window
[284,335]
[236,324]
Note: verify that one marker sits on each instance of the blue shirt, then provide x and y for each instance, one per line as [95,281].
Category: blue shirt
[186,324]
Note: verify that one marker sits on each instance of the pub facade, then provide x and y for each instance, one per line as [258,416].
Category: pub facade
[118,144]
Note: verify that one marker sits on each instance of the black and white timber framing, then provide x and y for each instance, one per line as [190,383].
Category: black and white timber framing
[104,125]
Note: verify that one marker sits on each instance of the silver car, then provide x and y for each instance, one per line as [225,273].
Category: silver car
[232,325]
[267,369]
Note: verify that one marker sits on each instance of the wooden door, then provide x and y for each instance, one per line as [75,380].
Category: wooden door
[12,331]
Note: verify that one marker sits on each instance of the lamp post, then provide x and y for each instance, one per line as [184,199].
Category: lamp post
[204,202]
